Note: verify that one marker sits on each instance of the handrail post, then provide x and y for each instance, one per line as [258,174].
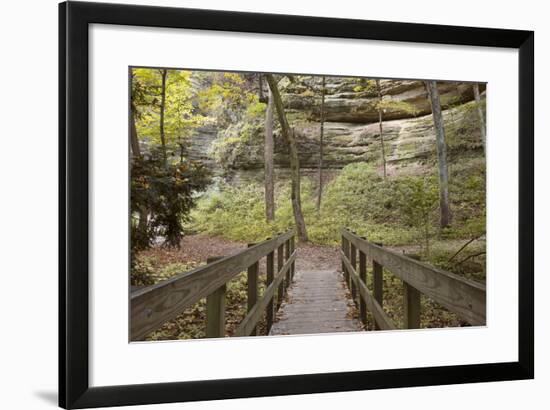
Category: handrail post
[378,284]
[353,261]
[287,257]
[215,309]
[342,246]
[252,287]
[345,249]
[411,307]
[292,249]
[269,279]
[280,263]
[363,277]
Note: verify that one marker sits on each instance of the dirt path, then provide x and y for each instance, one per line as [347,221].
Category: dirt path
[197,248]
[317,257]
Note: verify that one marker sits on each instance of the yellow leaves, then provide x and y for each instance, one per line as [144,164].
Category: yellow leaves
[235,78]
[255,108]
[148,76]
[180,119]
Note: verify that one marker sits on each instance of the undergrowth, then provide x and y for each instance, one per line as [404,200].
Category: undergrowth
[399,212]
[383,210]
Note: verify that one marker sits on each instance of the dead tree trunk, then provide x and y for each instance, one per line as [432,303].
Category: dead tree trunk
[380,126]
[445,217]
[268,161]
[481,117]
[288,134]
[322,119]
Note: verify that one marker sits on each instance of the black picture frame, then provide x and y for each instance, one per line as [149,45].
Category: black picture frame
[74,388]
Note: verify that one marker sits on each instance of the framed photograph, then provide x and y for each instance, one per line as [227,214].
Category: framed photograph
[258,205]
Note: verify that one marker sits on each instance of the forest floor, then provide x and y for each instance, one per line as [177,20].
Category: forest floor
[195,249]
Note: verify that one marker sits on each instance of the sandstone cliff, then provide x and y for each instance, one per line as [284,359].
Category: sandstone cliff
[351,124]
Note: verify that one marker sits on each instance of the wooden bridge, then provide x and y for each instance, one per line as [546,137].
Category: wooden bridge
[306,302]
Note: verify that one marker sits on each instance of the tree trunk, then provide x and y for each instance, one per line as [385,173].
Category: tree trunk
[162,107]
[445,217]
[288,134]
[481,117]
[134,142]
[380,126]
[322,119]
[268,161]
[261,95]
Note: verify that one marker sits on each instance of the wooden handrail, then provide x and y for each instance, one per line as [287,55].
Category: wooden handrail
[373,306]
[255,314]
[150,307]
[464,297]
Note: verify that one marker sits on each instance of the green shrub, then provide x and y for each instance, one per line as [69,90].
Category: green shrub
[417,199]
[399,210]
[166,193]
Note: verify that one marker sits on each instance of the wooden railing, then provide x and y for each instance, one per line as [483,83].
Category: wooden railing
[152,306]
[464,297]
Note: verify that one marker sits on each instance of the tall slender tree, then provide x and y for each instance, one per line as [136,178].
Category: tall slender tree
[380,109]
[163,74]
[134,142]
[321,135]
[288,135]
[136,95]
[268,160]
[480,114]
[445,209]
